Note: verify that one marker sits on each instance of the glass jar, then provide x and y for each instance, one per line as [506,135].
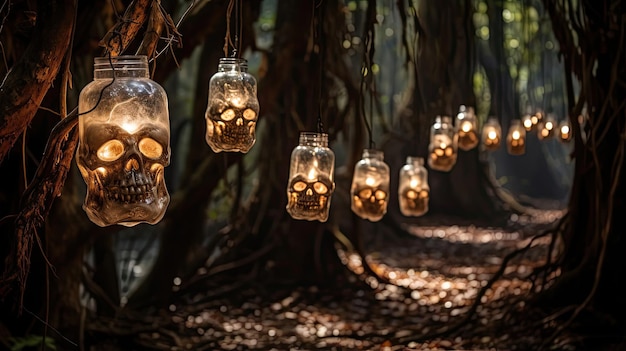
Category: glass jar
[466,128]
[491,134]
[565,131]
[547,127]
[516,138]
[311,178]
[443,145]
[233,108]
[370,186]
[124,143]
[527,122]
[413,189]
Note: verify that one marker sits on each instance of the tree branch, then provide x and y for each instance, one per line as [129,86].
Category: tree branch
[26,84]
[118,38]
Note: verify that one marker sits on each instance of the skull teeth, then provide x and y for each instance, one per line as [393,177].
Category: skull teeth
[135,188]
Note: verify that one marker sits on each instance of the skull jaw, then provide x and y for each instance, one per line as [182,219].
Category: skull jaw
[413,207]
[105,212]
[370,210]
[468,140]
[442,163]
[230,137]
[311,208]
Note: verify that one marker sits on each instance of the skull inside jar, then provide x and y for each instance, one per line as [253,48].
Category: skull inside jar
[233,107]
[413,188]
[370,186]
[311,174]
[443,145]
[124,144]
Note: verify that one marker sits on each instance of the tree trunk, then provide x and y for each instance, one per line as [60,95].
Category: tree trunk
[593,259]
[27,83]
[443,81]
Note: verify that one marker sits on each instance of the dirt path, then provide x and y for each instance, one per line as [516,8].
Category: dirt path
[435,276]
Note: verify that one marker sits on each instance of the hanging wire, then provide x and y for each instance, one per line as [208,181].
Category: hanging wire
[228,42]
[501,53]
[367,76]
[239,36]
[238,28]
[318,33]
[106,86]
[526,47]
[470,49]
[544,53]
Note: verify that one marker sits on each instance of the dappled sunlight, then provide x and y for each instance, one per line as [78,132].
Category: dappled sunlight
[463,234]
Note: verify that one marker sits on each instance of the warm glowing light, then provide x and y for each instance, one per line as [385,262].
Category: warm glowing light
[443,145]
[534,119]
[124,143]
[466,127]
[369,181]
[565,129]
[236,100]
[492,134]
[414,183]
[130,127]
[528,123]
[549,125]
[545,133]
[515,135]
[312,175]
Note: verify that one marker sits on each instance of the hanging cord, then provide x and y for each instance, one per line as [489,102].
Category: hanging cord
[367,77]
[470,49]
[239,37]
[543,71]
[238,28]
[106,86]
[526,46]
[228,42]
[502,61]
[319,40]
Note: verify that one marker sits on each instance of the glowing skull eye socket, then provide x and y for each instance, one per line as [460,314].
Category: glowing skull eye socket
[365,193]
[380,195]
[249,114]
[150,148]
[228,115]
[299,186]
[111,150]
[411,194]
[320,188]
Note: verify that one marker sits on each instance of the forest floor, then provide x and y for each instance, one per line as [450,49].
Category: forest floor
[433,279]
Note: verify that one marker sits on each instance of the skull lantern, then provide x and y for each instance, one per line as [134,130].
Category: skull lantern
[370,186]
[233,107]
[537,118]
[516,138]
[413,189]
[527,122]
[466,128]
[311,175]
[547,128]
[443,145]
[565,131]
[124,143]
[491,134]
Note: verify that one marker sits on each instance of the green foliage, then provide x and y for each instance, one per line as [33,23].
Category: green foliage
[32,341]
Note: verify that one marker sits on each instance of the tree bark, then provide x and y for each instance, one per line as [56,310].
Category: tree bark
[443,82]
[592,260]
[27,83]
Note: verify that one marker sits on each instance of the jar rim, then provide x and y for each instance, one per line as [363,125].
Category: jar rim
[121,58]
[415,159]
